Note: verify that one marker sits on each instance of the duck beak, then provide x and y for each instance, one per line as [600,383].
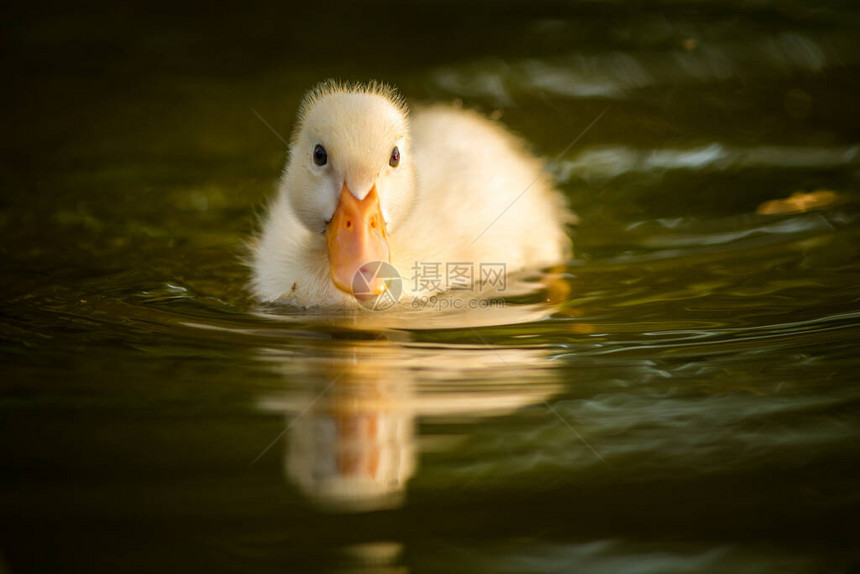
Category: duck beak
[356,236]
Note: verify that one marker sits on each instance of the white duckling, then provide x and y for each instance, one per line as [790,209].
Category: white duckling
[366,181]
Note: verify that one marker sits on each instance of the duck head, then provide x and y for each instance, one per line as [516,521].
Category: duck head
[349,177]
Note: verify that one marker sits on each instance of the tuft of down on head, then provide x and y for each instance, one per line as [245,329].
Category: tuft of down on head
[333,86]
[358,125]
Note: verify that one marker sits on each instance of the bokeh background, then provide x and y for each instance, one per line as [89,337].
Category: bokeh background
[687,402]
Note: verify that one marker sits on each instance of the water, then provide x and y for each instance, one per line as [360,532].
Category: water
[686,401]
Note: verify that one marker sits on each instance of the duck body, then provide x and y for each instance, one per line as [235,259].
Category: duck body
[438,187]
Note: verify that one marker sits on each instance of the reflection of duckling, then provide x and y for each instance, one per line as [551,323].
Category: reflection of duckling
[379,557]
[351,443]
[355,449]
[364,183]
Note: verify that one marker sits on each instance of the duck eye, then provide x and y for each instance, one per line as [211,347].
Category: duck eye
[395,157]
[320,155]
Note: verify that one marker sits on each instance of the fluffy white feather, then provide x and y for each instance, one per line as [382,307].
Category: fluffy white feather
[465,191]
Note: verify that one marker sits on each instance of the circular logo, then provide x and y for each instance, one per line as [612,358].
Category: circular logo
[377,285]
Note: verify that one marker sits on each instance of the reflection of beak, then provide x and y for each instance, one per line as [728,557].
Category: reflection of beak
[356,236]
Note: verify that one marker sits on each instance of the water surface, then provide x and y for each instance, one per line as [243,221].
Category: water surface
[685,402]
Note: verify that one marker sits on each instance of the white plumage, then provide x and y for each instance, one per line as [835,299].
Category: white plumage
[465,191]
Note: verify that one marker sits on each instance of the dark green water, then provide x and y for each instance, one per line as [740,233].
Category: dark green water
[689,404]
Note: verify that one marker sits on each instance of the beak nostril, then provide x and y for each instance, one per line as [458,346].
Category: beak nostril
[356,236]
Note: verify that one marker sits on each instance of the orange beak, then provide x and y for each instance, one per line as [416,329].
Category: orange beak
[356,236]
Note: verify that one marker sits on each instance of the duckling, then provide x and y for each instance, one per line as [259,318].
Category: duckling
[367,181]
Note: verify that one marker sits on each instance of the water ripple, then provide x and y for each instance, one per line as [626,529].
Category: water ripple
[615,75]
[609,162]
